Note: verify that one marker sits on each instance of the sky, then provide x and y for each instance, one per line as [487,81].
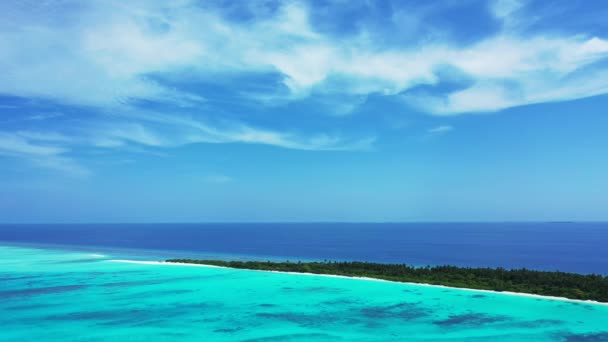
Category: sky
[238,111]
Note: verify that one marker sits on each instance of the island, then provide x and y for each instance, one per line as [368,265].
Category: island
[556,284]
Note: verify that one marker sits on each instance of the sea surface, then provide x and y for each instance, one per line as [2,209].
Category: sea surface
[53,294]
[569,247]
[64,283]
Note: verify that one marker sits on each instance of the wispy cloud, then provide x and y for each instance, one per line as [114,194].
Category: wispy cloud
[162,130]
[505,8]
[44,136]
[218,179]
[44,116]
[49,156]
[13,144]
[116,135]
[440,129]
[51,150]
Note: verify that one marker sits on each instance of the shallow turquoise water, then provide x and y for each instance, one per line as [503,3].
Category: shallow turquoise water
[50,294]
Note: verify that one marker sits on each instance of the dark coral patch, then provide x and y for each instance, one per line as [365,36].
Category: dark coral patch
[228,330]
[39,291]
[303,319]
[594,337]
[295,337]
[405,311]
[474,319]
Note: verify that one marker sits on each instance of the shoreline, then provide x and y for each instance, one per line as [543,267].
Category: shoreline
[509,293]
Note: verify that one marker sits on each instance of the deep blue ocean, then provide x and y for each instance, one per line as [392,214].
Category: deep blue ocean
[569,247]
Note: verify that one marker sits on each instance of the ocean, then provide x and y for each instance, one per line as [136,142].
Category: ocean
[90,283]
[568,247]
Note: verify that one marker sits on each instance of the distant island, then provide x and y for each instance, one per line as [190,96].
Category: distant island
[558,284]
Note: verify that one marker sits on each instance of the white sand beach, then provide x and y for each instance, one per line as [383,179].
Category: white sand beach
[509,293]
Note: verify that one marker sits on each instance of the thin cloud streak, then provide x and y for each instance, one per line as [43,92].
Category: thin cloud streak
[48,156]
[440,129]
[162,130]
[218,179]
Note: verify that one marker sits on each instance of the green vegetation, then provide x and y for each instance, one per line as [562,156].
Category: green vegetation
[569,285]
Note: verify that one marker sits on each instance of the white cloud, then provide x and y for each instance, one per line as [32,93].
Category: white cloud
[99,54]
[511,72]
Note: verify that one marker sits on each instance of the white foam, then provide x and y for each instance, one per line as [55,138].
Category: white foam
[145,262]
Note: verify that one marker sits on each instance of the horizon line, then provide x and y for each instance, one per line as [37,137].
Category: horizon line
[310,222]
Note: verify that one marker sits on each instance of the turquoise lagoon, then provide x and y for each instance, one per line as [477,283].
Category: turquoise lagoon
[67,295]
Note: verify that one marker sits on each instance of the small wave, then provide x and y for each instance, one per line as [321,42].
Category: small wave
[96,255]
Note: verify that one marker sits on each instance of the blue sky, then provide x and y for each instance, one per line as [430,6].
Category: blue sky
[190,111]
